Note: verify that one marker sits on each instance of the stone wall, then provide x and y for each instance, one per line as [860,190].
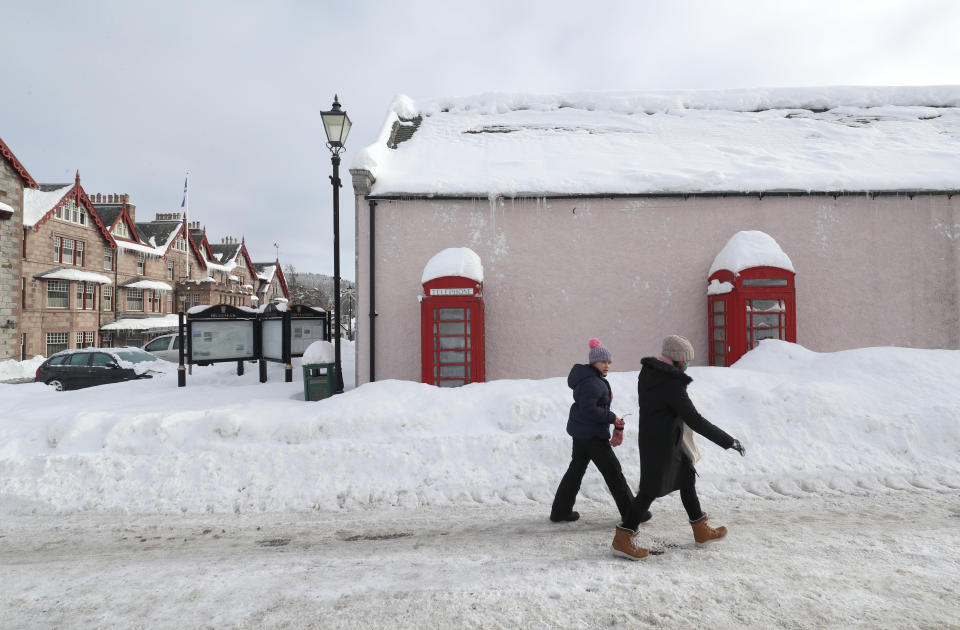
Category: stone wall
[11,238]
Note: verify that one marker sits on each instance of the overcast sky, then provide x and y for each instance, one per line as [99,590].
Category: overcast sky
[132,94]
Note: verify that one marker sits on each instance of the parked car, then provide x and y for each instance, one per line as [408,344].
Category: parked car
[166,347]
[75,369]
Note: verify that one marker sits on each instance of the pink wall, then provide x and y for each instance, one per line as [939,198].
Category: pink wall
[870,272]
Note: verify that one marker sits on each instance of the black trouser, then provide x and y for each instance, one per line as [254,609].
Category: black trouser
[598,451]
[688,496]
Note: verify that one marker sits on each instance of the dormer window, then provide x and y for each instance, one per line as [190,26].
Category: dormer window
[69,211]
[121,229]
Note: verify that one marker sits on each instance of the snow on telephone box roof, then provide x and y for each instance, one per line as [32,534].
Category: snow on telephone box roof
[750,248]
[829,139]
[454,261]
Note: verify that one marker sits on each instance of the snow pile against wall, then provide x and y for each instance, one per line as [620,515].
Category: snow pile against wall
[803,139]
[812,423]
[12,370]
[750,248]
[454,261]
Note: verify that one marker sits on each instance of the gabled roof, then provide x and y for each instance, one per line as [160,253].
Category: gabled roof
[833,139]
[266,272]
[8,155]
[133,243]
[160,234]
[40,203]
[227,252]
[109,212]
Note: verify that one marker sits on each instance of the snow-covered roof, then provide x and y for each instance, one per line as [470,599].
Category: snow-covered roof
[454,261]
[802,139]
[148,284]
[38,202]
[75,275]
[265,272]
[143,323]
[750,248]
[137,247]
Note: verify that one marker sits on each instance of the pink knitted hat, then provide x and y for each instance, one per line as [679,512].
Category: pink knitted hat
[598,352]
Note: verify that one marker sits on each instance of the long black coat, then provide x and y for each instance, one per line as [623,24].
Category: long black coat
[664,407]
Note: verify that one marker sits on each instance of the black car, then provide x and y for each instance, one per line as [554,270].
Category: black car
[75,369]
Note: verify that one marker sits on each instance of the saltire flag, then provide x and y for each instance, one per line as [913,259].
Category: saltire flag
[183,204]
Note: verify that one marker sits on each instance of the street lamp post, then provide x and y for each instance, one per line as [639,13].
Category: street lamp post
[336,124]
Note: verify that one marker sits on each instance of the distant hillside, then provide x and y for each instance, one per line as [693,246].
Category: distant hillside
[316,289]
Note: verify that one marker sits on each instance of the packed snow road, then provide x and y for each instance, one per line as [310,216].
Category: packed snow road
[874,559]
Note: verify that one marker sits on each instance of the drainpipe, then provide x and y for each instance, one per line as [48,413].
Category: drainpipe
[373,291]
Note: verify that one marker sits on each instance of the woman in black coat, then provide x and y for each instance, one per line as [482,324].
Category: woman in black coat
[589,425]
[666,458]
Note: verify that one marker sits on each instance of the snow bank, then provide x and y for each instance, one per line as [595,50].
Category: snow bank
[12,370]
[836,423]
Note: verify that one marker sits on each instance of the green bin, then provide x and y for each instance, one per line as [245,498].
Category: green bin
[318,381]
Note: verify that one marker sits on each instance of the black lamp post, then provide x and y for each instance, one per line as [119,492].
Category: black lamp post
[337,125]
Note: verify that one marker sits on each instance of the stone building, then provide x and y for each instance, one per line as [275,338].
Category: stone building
[13,179]
[271,283]
[66,290]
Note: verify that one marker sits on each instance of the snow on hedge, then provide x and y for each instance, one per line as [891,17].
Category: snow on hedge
[823,423]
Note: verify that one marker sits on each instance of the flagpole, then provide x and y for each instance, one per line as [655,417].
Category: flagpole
[185,204]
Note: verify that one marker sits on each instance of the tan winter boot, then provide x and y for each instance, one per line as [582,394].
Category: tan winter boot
[703,533]
[625,545]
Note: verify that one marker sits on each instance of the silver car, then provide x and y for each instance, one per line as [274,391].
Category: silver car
[165,347]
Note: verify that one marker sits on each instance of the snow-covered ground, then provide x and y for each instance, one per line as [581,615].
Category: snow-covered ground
[231,503]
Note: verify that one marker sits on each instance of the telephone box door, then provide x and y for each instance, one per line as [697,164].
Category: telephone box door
[451,333]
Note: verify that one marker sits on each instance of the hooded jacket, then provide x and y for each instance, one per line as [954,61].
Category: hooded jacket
[590,415]
[664,408]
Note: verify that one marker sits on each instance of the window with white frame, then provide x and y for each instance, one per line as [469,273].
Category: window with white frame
[169,301]
[121,229]
[85,295]
[69,211]
[68,251]
[56,341]
[169,270]
[134,299]
[84,339]
[140,264]
[106,340]
[196,299]
[107,298]
[180,244]
[58,294]
[108,258]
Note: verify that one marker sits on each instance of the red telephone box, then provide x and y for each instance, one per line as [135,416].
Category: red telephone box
[742,309]
[451,331]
